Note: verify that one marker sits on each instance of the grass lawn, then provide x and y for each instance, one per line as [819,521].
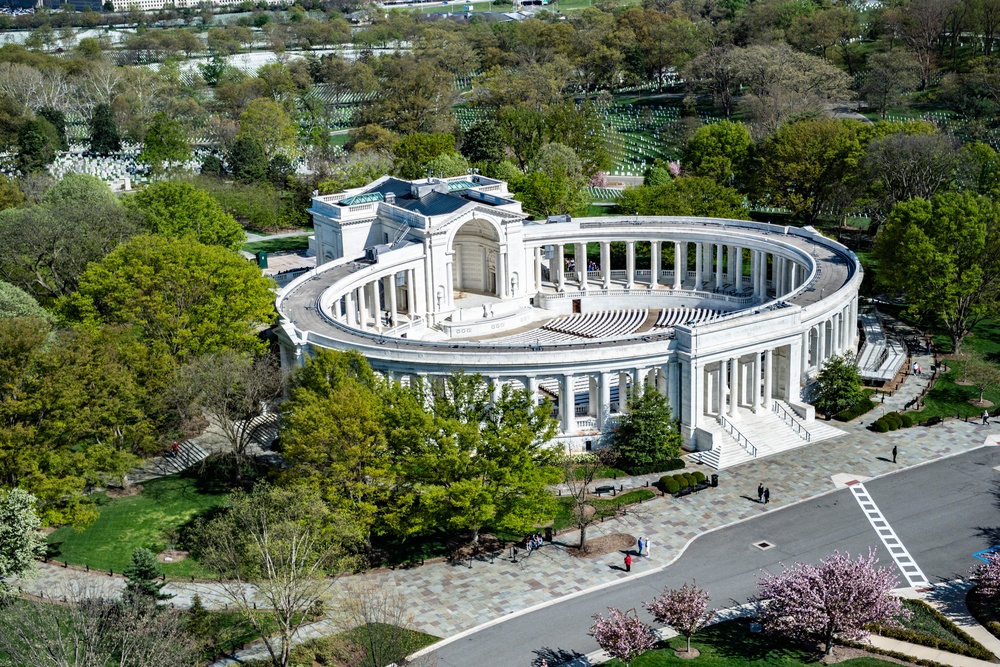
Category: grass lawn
[731,644]
[564,515]
[925,623]
[284,244]
[949,399]
[143,520]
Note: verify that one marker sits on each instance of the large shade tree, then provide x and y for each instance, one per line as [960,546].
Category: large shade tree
[179,209]
[647,434]
[944,255]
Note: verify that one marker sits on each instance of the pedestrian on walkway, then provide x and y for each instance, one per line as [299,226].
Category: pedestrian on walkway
[767,496]
[645,543]
[628,562]
[916,368]
[894,453]
[177,447]
[638,544]
[760,492]
[986,417]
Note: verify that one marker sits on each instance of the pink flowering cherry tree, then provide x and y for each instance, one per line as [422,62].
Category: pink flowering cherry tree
[837,598]
[684,609]
[987,575]
[622,635]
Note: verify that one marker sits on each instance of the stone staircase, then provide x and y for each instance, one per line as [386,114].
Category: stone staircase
[187,455]
[767,434]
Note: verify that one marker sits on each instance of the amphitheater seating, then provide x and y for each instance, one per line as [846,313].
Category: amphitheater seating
[881,356]
[673,316]
[601,324]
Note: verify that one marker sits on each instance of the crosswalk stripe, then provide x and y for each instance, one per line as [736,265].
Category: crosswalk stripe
[911,571]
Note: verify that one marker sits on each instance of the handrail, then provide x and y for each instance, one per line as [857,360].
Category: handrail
[786,417]
[740,439]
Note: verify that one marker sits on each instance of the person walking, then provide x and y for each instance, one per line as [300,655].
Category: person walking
[628,562]
[767,496]
[177,447]
[639,545]
[760,492]
[986,417]
[894,451]
[645,543]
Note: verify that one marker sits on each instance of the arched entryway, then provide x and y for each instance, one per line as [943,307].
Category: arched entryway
[476,248]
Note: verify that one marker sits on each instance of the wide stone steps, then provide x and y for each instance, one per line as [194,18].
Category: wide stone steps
[187,455]
[766,431]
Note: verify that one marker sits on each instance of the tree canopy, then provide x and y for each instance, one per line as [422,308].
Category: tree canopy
[178,209]
[944,255]
[186,296]
[647,436]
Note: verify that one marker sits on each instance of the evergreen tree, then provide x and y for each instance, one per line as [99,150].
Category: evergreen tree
[58,120]
[37,142]
[647,435]
[104,137]
[839,384]
[483,142]
[247,160]
[141,578]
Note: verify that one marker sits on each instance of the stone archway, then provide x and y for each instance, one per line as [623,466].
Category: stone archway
[476,248]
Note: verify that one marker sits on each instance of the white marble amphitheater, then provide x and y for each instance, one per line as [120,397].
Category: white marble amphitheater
[428,277]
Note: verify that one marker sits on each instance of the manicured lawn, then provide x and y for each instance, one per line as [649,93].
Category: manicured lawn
[731,644]
[948,399]
[564,516]
[284,244]
[143,520]
[925,623]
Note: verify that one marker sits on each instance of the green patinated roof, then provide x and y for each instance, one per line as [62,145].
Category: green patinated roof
[455,186]
[364,198]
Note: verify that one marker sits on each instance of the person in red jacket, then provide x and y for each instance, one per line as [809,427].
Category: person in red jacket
[628,562]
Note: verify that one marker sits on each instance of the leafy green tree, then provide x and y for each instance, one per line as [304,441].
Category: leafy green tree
[944,255]
[889,77]
[647,435]
[247,160]
[141,574]
[685,195]
[555,184]
[483,142]
[15,302]
[80,191]
[413,95]
[485,461]
[276,550]
[165,144]
[186,296]
[37,143]
[719,151]
[104,137]
[581,128]
[21,539]
[177,209]
[414,152]
[333,436]
[10,194]
[448,164]
[802,163]
[267,121]
[839,385]
[58,120]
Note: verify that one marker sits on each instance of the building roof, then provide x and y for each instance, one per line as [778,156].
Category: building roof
[432,203]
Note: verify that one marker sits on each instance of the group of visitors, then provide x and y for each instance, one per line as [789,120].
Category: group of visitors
[763,494]
[533,542]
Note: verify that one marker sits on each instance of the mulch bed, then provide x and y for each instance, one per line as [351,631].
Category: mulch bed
[171,556]
[606,544]
[131,490]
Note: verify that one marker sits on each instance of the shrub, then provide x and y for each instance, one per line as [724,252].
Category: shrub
[863,406]
[892,424]
[681,481]
[670,485]
[907,420]
[663,481]
[699,476]
[895,418]
[971,647]
[880,426]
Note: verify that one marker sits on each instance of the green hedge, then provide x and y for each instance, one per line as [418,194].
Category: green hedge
[674,483]
[863,406]
[669,485]
[908,420]
[981,611]
[892,421]
[663,466]
[971,648]
[699,476]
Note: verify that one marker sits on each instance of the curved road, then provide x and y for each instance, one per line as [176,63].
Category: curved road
[943,512]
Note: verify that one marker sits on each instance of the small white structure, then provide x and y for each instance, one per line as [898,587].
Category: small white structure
[729,320]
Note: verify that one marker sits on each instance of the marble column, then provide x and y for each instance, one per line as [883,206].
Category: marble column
[755,383]
[532,385]
[580,257]
[698,248]
[560,260]
[604,399]
[538,269]
[673,388]
[350,313]
[567,402]
[820,346]
[733,384]
[721,391]
[606,263]
[768,370]
[362,307]
[629,264]
[393,310]
[718,266]
[654,264]
[680,264]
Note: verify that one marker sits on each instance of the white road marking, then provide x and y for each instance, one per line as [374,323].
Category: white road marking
[911,571]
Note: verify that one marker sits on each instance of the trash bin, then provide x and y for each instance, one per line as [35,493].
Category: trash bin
[715,481]
[261,259]
[548,534]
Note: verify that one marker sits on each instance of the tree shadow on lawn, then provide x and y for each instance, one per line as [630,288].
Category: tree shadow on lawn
[733,639]
[554,656]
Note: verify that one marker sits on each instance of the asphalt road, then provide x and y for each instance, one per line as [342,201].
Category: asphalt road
[943,512]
